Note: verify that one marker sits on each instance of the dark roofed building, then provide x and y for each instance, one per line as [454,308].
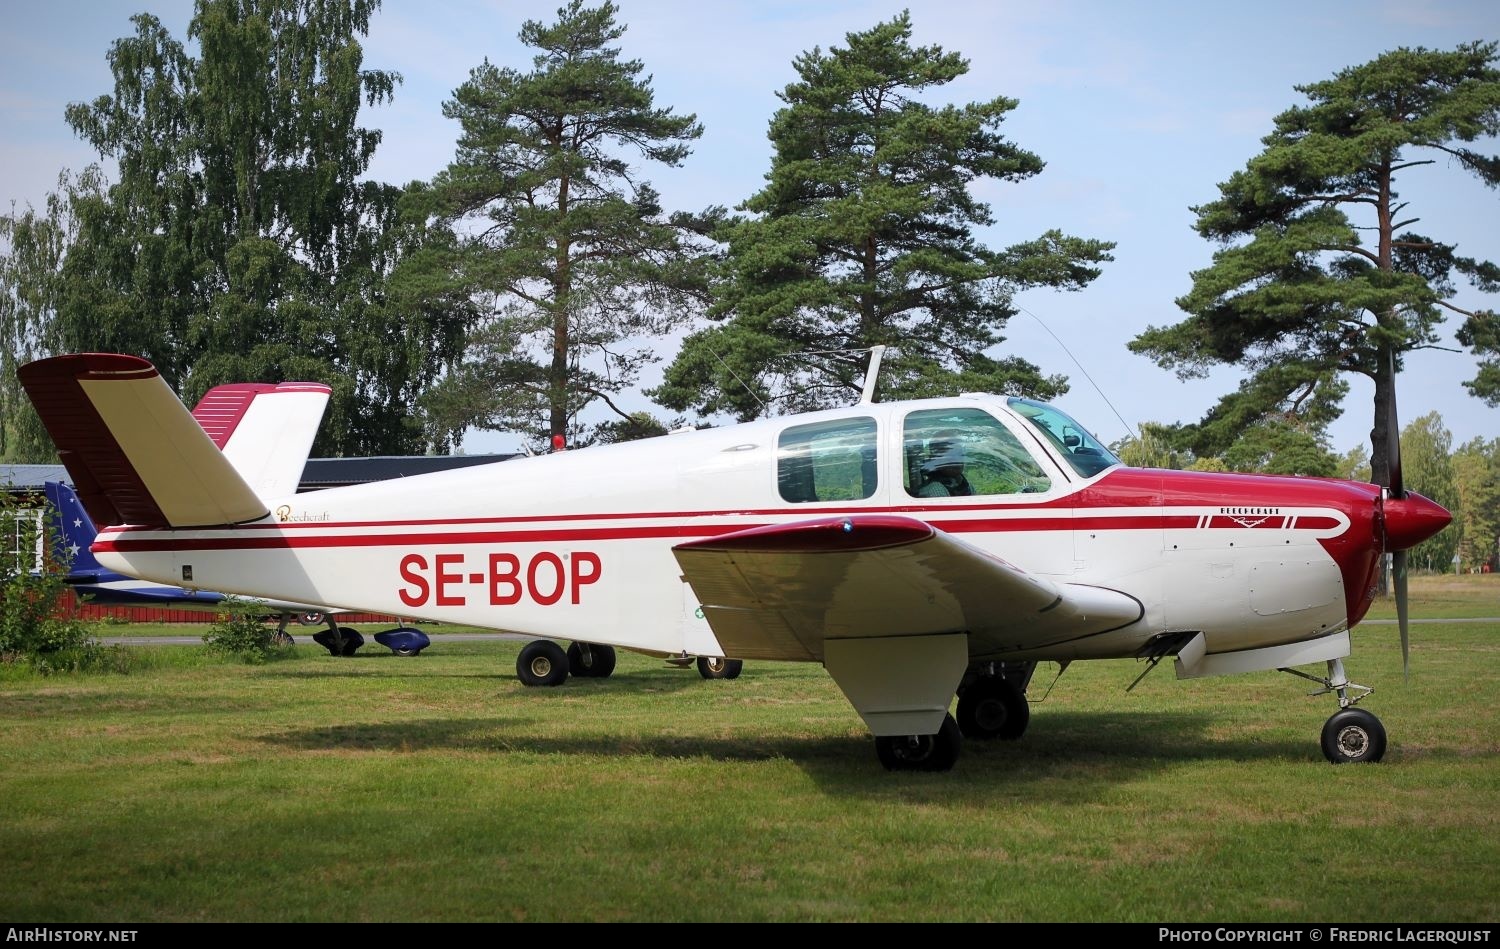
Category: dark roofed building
[319,472]
[339,472]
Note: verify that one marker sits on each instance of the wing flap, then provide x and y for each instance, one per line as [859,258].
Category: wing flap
[780,592]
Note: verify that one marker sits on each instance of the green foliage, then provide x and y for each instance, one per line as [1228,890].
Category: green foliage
[574,260]
[1427,469]
[29,272]
[863,237]
[241,241]
[1150,449]
[240,630]
[1353,465]
[1278,446]
[1296,296]
[1476,483]
[635,426]
[1481,333]
[34,628]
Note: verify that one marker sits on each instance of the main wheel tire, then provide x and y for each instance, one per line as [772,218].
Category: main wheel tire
[1353,736]
[406,651]
[921,752]
[597,663]
[714,667]
[542,662]
[352,640]
[312,619]
[993,707]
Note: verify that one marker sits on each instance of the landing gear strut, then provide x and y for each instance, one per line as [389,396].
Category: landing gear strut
[1351,735]
[591,660]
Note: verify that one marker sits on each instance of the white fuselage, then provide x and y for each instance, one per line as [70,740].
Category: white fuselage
[578,544]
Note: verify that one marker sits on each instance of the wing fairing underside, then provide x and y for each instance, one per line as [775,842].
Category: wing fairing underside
[787,590]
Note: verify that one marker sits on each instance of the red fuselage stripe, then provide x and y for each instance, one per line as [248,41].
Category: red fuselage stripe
[394,538]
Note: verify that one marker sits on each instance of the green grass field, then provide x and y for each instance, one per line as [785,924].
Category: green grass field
[437,788]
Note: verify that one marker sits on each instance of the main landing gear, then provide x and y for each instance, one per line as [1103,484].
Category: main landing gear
[921,752]
[544,662]
[991,704]
[1351,735]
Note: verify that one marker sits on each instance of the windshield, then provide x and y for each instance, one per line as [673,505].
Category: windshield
[1081,450]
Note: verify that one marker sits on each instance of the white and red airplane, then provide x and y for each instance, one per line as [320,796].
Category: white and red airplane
[849,537]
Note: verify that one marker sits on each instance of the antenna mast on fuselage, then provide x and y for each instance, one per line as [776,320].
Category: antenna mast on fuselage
[868,395]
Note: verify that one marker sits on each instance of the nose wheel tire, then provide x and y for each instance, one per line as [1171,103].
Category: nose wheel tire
[1353,736]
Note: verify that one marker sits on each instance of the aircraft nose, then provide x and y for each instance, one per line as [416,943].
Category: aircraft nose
[1411,520]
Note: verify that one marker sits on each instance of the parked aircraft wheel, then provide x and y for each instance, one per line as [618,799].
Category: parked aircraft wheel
[348,640]
[921,752]
[542,662]
[282,638]
[713,667]
[312,619]
[1353,736]
[406,650]
[993,707]
[595,662]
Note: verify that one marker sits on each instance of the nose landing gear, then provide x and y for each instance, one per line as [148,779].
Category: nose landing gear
[1351,735]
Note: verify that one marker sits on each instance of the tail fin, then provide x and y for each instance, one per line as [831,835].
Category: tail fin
[266,431]
[77,530]
[135,454]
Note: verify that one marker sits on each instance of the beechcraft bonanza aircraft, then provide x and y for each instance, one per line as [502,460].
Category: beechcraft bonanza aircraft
[917,550]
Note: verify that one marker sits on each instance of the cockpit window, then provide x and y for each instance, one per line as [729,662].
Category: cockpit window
[1080,449]
[957,452]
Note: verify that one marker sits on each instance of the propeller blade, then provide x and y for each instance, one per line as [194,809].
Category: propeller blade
[1394,481]
[1396,488]
[1398,568]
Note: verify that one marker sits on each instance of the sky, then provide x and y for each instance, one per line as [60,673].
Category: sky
[1139,110]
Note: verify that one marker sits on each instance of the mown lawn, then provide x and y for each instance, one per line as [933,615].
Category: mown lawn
[436,787]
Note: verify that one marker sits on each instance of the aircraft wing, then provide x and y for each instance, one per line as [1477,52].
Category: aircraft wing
[783,591]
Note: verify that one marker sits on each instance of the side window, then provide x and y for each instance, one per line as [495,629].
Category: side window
[829,461]
[958,452]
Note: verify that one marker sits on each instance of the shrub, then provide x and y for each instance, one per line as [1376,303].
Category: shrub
[240,630]
[33,622]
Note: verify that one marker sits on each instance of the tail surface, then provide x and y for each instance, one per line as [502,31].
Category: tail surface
[134,452]
[77,530]
[266,431]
